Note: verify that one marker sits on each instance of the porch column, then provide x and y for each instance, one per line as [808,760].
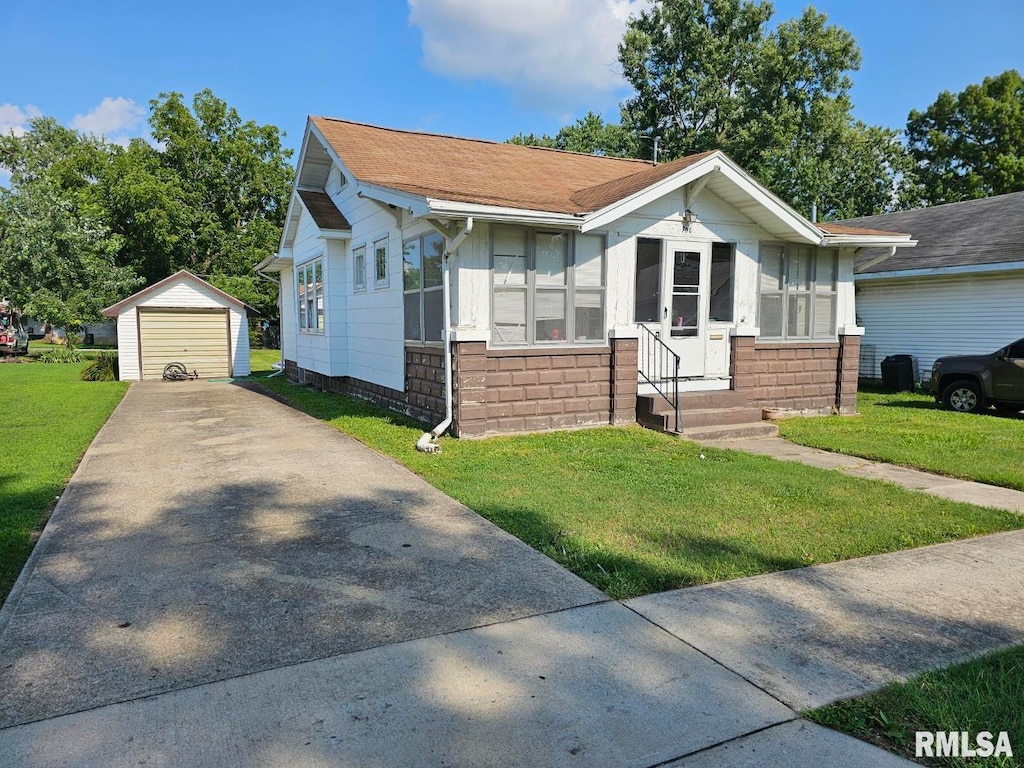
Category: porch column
[624,375]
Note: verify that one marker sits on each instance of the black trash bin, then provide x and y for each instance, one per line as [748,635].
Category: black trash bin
[898,373]
[90,339]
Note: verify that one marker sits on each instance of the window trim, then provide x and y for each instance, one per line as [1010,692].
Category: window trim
[530,287]
[423,290]
[378,263]
[315,307]
[359,270]
[785,292]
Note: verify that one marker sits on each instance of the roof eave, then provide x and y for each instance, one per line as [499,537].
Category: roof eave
[498,213]
[867,241]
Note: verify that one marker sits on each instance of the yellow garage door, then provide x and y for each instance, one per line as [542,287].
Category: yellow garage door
[200,339]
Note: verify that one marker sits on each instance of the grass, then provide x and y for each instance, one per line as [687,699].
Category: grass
[912,431]
[261,360]
[49,418]
[980,695]
[634,511]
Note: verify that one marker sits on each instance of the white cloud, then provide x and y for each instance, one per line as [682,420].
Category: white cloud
[14,119]
[558,53]
[113,118]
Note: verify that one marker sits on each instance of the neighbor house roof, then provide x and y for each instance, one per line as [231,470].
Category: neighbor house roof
[323,210]
[181,275]
[975,232]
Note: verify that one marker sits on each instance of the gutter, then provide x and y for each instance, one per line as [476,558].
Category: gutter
[428,440]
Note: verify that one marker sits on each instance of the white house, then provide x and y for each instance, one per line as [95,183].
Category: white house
[566,282]
[181,319]
[960,291]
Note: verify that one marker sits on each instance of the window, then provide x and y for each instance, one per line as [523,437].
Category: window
[547,287]
[424,296]
[309,280]
[359,268]
[798,292]
[722,257]
[380,263]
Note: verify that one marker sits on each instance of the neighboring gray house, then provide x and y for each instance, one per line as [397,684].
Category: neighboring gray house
[960,291]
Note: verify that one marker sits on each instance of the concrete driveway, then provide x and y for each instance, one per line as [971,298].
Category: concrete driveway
[211,532]
[229,582]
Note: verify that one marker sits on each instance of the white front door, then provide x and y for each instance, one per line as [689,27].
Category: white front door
[685,277]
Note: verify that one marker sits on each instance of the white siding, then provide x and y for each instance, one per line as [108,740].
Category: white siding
[181,293]
[364,334]
[932,317]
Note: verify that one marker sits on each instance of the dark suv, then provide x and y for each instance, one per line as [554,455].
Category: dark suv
[971,383]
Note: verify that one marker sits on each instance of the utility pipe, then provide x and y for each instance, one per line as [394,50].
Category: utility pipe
[428,440]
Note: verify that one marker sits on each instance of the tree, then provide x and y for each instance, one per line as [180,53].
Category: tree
[57,255]
[970,144]
[210,198]
[707,74]
[590,135]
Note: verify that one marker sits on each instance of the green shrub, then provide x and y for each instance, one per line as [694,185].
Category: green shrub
[102,368]
[60,355]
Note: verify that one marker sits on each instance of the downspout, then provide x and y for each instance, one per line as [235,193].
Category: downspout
[428,441]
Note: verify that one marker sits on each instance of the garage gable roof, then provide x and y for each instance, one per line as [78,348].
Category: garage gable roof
[182,275]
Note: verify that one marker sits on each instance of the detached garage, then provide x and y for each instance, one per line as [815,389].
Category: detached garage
[181,319]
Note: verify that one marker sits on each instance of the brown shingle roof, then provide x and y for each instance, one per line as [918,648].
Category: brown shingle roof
[323,210]
[597,197]
[477,171]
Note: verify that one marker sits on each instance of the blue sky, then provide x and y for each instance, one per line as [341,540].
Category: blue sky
[482,68]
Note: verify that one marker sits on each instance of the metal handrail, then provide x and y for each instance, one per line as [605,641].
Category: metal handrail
[659,366]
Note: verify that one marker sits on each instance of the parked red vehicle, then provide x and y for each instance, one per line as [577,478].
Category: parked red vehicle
[13,337]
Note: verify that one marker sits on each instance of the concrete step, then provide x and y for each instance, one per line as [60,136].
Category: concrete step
[710,417]
[730,431]
[725,398]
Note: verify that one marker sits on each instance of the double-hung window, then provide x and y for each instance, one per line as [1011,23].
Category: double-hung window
[359,268]
[547,287]
[798,292]
[309,279]
[424,295]
[380,263]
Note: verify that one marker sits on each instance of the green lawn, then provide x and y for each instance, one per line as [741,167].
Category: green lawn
[634,511]
[912,431]
[261,361]
[980,695]
[49,418]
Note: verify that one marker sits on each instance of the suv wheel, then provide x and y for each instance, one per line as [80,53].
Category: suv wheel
[964,396]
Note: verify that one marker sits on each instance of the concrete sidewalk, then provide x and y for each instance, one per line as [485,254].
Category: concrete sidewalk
[228,582]
[937,485]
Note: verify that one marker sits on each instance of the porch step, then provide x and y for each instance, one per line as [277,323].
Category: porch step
[730,432]
[721,398]
[704,415]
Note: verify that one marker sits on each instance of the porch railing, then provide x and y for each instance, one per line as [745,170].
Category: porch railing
[659,367]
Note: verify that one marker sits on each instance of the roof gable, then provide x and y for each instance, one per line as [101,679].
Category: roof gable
[180,276]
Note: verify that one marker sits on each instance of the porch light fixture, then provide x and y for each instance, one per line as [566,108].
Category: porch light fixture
[688,218]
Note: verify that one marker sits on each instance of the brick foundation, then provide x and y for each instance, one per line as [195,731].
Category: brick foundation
[529,390]
[805,376]
[423,398]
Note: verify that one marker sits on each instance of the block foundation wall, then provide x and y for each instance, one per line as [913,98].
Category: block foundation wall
[809,376]
[530,390]
[504,390]
[423,398]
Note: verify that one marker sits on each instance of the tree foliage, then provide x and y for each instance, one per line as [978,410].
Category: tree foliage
[58,257]
[86,222]
[590,135]
[970,144]
[710,74]
[210,198]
